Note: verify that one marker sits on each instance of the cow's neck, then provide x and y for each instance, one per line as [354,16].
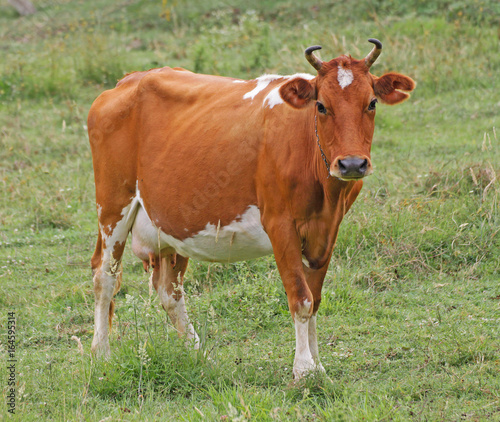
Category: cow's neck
[333,201]
[319,227]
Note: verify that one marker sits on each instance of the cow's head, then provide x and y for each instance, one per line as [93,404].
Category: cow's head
[345,94]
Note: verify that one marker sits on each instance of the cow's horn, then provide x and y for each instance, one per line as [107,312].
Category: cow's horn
[311,58]
[370,59]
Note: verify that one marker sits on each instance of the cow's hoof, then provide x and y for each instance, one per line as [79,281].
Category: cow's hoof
[192,341]
[100,351]
[302,368]
[305,369]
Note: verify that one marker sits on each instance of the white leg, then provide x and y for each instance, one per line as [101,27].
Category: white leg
[313,343]
[108,273]
[303,362]
[104,286]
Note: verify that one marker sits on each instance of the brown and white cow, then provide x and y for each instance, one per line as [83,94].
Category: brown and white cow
[222,169]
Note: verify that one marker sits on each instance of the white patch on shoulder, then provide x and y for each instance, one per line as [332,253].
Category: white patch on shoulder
[344,76]
[262,82]
[239,81]
[274,98]
[242,239]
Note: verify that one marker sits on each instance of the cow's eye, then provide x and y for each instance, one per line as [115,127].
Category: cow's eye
[373,104]
[321,108]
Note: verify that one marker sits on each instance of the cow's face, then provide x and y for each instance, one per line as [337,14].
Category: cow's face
[345,95]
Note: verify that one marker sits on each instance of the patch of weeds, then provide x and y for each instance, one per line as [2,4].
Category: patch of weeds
[258,304]
[377,280]
[340,301]
[160,368]
[476,179]
[225,32]
[469,357]
[50,217]
[100,62]
[316,385]
[203,56]
[482,11]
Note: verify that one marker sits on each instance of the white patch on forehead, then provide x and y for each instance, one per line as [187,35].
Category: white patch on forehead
[262,82]
[344,76]
[242,239]
[274,97]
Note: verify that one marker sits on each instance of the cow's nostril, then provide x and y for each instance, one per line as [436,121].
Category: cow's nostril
[364,166]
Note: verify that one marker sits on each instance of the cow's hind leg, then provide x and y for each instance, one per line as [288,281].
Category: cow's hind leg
[107,271]
[168,278]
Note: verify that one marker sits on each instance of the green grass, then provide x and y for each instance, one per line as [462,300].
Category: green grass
[409,323]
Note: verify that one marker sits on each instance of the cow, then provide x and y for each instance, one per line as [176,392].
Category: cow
[221,169]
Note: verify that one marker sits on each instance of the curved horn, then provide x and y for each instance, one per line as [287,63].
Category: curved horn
[370,59]
[311,58]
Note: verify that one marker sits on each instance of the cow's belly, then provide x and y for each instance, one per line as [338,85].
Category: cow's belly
[240,240]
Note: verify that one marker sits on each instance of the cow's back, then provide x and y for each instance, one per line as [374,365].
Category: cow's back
[187,143]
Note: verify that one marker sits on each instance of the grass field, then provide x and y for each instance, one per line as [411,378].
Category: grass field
[409,325]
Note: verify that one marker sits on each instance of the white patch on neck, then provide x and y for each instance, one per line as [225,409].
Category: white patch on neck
[262,82]
[345,77]
[306,76]
[274,97]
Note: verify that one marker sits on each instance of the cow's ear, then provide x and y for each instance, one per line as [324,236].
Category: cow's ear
[298,92]
[393,88]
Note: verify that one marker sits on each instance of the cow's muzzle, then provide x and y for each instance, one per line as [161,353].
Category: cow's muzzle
[351,167]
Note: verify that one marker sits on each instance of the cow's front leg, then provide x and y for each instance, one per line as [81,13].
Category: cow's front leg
[288,255]
[315,278]
[313,343]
